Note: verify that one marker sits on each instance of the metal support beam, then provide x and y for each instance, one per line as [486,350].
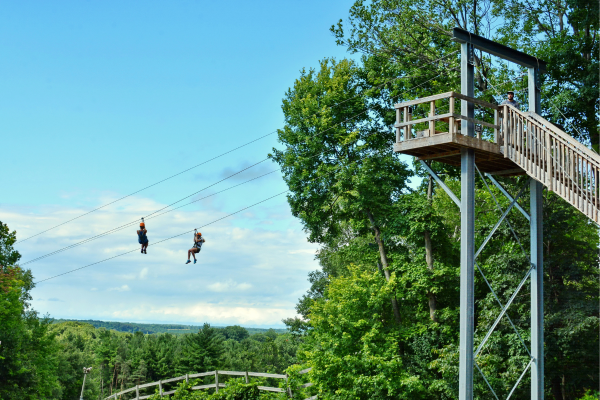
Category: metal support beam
[536,233]
[441,183]
[467,237]
[497,49]
[537,291]
[533,90]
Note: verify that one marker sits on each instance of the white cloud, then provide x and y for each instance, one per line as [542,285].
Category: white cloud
[235,266]
[303,251]
[228,286]
[124,288]
[205,312]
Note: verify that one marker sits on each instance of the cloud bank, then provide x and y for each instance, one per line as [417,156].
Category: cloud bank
[251,270]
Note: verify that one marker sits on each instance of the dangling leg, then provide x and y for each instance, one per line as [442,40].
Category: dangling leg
[189,252]
[145,247]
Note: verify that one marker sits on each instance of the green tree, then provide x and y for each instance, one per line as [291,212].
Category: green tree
[337,162]
[235,332]
[201,351]
[571,300]
[76,342]
[356,352]
[28,353]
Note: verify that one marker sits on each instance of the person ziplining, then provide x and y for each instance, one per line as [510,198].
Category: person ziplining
[142,237]
[198,240]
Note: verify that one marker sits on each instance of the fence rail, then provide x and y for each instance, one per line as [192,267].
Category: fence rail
[215,385]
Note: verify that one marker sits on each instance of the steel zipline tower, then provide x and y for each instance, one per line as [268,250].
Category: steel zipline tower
[468,43]
[519,147]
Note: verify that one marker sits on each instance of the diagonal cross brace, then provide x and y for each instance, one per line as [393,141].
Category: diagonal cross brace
[502,306]
[501,210]
[441,183]
[512,298]
[521,377]
[486,381]
[512,204]
[508,196]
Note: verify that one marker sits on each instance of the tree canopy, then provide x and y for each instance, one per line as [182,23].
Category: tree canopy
[337,146]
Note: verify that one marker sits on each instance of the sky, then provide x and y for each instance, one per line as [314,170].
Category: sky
[102,99]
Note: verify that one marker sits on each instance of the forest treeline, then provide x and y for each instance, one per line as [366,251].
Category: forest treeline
[48,358]
[122,360]
[176,329]
[380,320]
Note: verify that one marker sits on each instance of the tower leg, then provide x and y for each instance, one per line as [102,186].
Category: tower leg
[537,292]
[537,259]
[467,235]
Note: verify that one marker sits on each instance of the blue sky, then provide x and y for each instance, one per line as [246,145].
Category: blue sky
[100,99]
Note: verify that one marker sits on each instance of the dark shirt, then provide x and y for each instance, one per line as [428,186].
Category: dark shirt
[142,238]
[513,103]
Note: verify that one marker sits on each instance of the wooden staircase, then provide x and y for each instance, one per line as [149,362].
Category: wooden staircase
[552,157]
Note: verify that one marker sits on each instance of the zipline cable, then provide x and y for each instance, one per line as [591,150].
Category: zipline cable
[149,186]
[146,216]
[225,153]
[164,240]
[129,224]
[150,215]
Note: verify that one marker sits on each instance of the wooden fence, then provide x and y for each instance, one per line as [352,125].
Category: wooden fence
[215,385]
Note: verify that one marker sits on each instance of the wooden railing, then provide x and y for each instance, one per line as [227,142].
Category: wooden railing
[554,158]
[451,119]
[215,385]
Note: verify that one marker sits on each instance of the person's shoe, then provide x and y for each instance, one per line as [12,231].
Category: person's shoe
[188,261]
[145,251]
[195,261]
[142,251]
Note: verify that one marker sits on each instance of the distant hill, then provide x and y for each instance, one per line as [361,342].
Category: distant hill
[175,329]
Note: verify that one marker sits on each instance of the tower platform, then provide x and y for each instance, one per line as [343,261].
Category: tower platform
[444,145]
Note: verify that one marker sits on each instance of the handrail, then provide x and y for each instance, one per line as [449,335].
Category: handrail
[554,158]
[404,121]
[215,385]
[445,96]
[549,125]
